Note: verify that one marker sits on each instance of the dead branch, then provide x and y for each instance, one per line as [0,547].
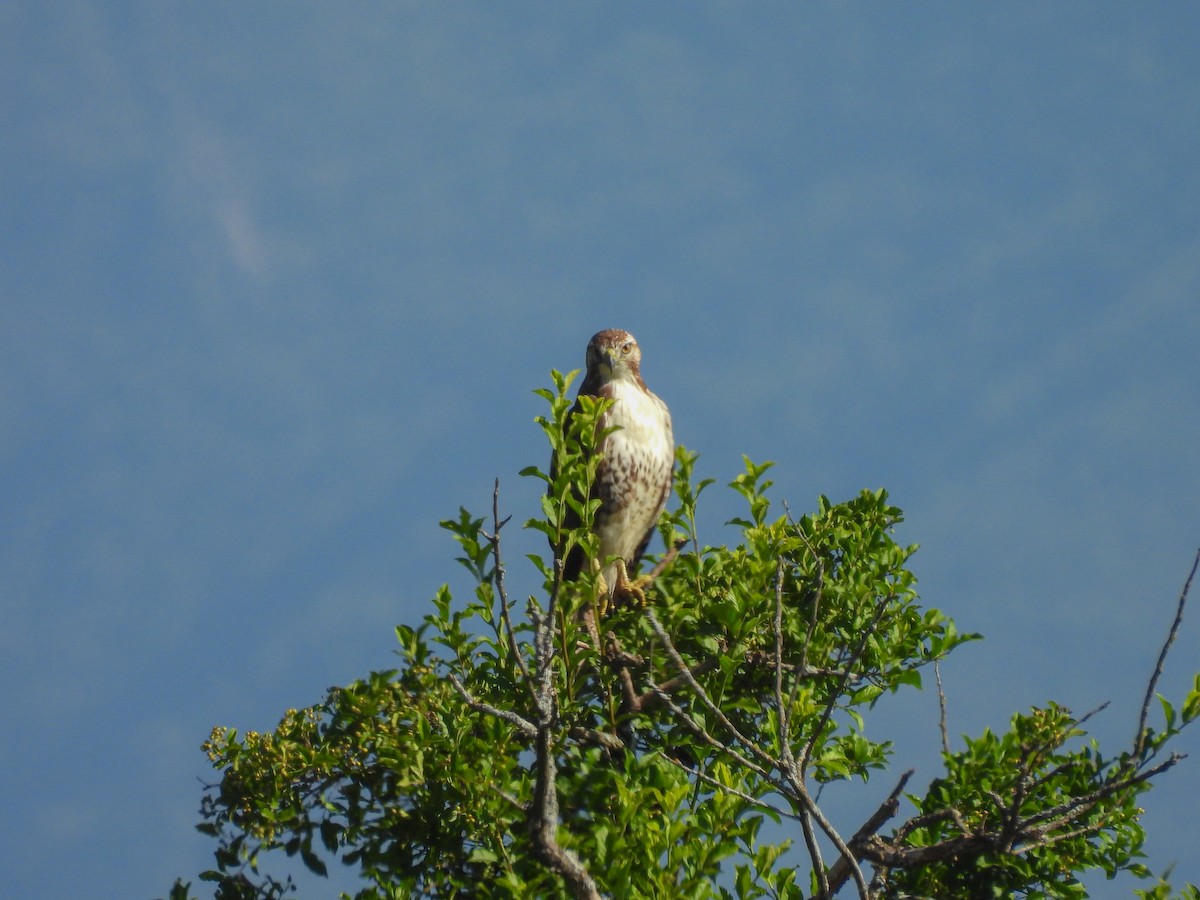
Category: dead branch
[650,699]
[609,742]
[1140,741]
[668,558]
[839,872]
[502,592]
[937,676]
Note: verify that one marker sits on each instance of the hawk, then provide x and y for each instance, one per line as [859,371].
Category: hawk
[636,468]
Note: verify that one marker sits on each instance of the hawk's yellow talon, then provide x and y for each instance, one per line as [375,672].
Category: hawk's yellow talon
[626,592]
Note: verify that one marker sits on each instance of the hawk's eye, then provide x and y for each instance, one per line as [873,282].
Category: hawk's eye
[625,349]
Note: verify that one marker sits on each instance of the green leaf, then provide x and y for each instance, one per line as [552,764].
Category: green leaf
[1191,703]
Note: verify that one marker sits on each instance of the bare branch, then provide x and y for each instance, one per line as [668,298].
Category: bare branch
[519,722]
[599,738]
[648,700]
[839,873]
[831,704]
[725,788]
[702,695]
[814,854]
[881,852]
[811,807]
[668,558]
[699,731]
[937,675]
[500,588]
[1140,741]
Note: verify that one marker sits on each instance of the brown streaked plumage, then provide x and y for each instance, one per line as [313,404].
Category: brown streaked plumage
[635,473]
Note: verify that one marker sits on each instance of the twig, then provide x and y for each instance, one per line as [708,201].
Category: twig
[522,724]
[794,778]
[725,788]
[860,882]
[812,622]
[797,771]
[648,699]
[500,588]
[839,872]
[1015,835]
[1091,713]
[1067,812]
[937,675]
[702,695]
[699,731]
[831,704]
[668,558]
[1048,839]
[794,775]
[1140,742]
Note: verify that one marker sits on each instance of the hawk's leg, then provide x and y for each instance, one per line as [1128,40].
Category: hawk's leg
[626,591]
[623,592]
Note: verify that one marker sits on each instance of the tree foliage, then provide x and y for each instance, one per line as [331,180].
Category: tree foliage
[677,750]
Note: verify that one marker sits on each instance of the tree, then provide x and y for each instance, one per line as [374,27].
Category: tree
[518,752]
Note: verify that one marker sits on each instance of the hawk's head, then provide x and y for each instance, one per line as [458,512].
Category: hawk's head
[613,355]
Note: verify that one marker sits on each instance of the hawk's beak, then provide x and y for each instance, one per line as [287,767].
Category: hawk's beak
[608,360]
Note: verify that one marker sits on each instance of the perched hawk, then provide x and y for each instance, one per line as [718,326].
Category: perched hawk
[634,475]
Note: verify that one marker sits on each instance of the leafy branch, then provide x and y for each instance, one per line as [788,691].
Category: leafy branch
[526,748]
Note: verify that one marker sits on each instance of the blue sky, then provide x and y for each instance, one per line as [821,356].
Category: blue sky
[278,280]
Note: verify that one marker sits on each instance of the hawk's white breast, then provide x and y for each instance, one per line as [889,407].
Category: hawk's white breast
[635,476]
